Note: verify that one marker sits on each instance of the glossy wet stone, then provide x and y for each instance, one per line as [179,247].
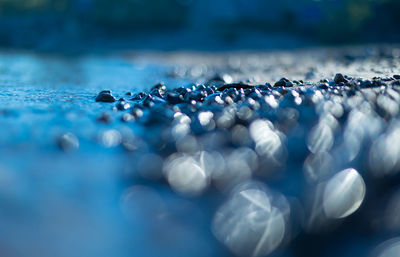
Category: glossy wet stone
[339,78]
[105,96]
[283,82]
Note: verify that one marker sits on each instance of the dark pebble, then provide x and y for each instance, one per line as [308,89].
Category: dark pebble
[339,78]
[283,82]
[105,97]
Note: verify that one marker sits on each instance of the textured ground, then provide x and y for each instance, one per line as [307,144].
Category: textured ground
[77,181]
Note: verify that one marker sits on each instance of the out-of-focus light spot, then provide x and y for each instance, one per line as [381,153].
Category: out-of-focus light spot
[141,202]
[384,155]
[258,129]
[270,99]
[227,78]
[317,167]
[181,118]
[330,120]
[386,103]
[198,70]
[246,155]
[249,224]
[268,144]
[391,216]
[180,130]
[390,248]
[239,165]
[13,187]
[363,124]
[267,141]
[334,108]
[244,113]
[150,166]
[343,194]
[240,135]
[185,174]
[350,146]
[205,118]
[226,120]
[187,144]
[111,138]
[68,142]
[320,138]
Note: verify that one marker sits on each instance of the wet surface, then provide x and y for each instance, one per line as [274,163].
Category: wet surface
[47,106]
[248,163]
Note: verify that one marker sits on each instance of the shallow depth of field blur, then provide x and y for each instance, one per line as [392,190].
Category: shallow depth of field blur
[244,163]
[73,23]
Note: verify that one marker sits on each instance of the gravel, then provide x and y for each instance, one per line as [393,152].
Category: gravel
[225,157]
[248,138]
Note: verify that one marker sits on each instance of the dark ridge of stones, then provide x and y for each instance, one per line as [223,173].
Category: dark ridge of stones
[235,86]
[283,82]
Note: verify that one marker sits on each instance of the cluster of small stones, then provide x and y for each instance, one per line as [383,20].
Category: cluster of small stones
[274,133]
